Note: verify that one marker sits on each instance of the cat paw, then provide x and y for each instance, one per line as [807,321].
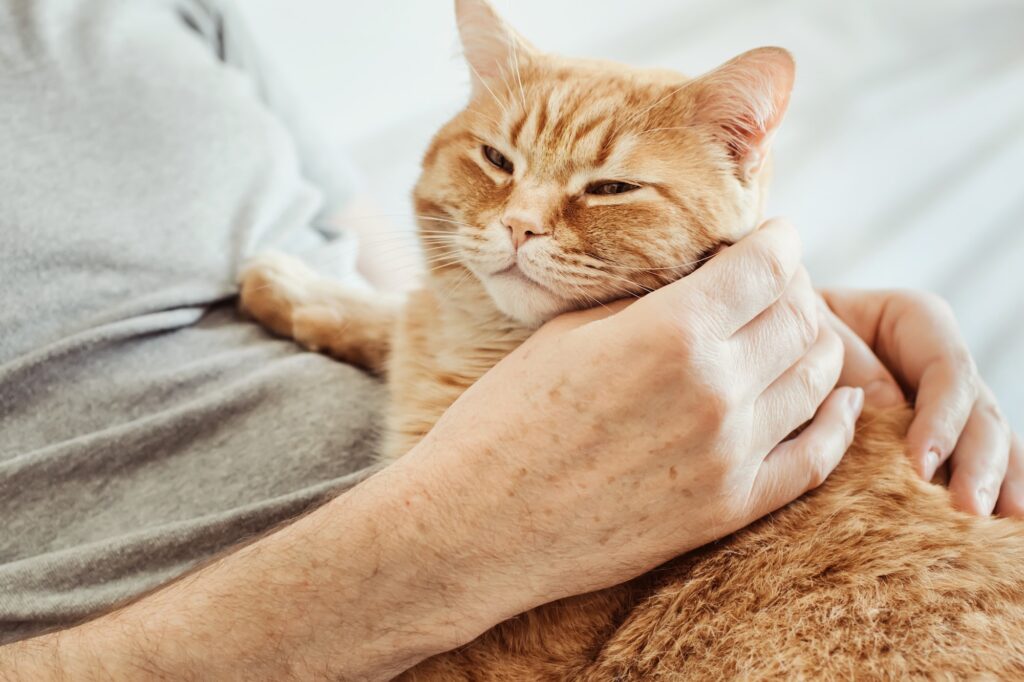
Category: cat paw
[272,287]
[320,328]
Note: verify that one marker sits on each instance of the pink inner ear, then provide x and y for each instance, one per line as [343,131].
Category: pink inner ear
[490,45]
[741,134]
[745,100]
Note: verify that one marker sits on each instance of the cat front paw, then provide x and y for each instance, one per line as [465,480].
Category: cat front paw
[273,286]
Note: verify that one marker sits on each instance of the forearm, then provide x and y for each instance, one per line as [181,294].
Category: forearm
[355,590]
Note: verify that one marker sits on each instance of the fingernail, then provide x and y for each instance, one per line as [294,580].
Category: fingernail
[931,463]
[882,393]
[856,400]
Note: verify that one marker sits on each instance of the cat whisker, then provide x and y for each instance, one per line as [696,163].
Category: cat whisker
[579,269]
[446,220]
[637,115]
[440,243]
[430,250]
[439,249]
[630,282]
[397,230]
[513,59]
[414,247]
[497,126]
[500,104]
[438,239]
[433,256]
[587,298]
[441,258]
[677,266]
[458,284]
[407,235]
[653,130]
[506,83]
[435,234]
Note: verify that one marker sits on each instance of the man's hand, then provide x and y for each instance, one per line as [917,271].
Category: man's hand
[609,443]
[916,337]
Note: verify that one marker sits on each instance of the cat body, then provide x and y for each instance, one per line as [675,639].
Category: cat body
[569,183]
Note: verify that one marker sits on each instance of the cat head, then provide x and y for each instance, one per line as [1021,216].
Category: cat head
[569,182]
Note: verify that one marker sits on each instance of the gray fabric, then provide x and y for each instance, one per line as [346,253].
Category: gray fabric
[143,425]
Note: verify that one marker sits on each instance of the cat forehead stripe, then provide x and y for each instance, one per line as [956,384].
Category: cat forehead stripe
[561,126]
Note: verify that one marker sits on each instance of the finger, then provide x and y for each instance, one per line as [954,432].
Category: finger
[979,461]
[773,341]
[945,398]
[795,396]
[801,464]
[861,367]
[860,310]
[1011,495]
[734,287]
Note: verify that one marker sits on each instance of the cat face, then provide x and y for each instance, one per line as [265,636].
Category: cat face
[566,183]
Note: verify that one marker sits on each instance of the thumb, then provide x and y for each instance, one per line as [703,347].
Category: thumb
[861,367]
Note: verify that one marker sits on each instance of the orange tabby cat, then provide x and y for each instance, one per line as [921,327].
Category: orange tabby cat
[566,183]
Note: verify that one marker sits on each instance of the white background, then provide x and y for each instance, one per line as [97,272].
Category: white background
[901,160]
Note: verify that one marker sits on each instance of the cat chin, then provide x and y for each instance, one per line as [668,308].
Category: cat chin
[525,301]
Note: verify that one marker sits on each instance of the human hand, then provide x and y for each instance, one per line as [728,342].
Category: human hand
[609,443]
[956,417]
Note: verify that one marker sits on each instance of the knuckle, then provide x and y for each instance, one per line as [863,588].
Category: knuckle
[833,357]
[817,472]
[715,407]
[664,339]
[1011,502]
[963,366]
[810,379]
[822,452]
[936,304]
[683,334]
[838,352]
[990,412]
[814,466]
[774,267]
[928,302]
[918,298]
[804,321]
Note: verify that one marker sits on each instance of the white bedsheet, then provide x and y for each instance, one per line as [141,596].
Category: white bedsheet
[901,160]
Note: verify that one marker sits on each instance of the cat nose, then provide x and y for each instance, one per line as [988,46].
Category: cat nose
[521,228]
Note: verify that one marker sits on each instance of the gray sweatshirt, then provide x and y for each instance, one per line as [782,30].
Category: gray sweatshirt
[144,426]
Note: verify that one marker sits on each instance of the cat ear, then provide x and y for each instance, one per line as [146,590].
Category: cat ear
[492,48]
[744,101]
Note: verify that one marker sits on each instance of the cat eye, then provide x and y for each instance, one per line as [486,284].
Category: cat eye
[611,188]
[497,159]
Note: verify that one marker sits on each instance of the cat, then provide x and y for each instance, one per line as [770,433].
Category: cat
[566,183]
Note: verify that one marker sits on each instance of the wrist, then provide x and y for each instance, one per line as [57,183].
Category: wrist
[435,566]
